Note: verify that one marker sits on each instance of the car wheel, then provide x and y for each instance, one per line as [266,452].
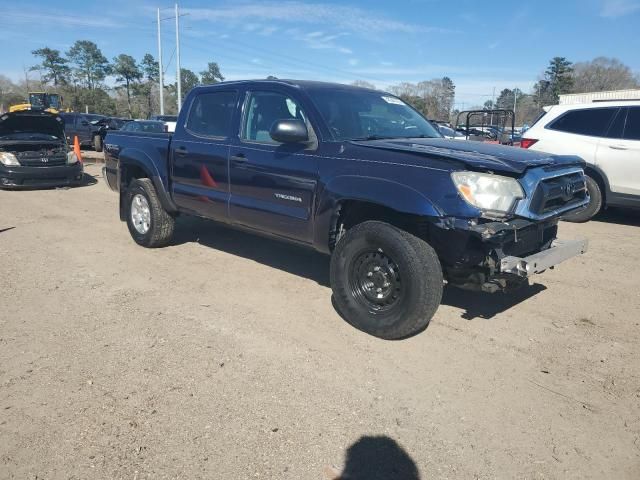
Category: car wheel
[150,225]
[97,143]
[594,206]
[385,281]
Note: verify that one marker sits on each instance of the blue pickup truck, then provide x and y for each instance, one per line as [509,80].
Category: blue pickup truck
[361,176]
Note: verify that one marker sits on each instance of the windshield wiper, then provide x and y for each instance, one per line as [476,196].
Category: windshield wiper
[373,137]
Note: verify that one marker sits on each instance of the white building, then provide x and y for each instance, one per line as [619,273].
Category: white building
[608,96]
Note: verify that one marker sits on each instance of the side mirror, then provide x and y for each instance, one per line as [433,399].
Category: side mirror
[289,131]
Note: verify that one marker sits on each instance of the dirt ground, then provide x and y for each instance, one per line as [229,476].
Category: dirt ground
[221,356]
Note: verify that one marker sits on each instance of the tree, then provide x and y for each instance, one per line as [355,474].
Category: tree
[90,65]
[559,75]
[188,80]
[602,73]
[127,72]
[211,74]
[151,71]
[363,84]
[54,65]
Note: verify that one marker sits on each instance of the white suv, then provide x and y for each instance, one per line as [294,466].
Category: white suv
[607,136]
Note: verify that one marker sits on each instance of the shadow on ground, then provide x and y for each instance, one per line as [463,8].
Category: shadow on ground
[314,266]
[487,305]
[619,216]
[289,258]
[377,458]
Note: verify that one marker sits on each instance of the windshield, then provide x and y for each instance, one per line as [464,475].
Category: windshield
[36,100]
[54,100]
[364,115]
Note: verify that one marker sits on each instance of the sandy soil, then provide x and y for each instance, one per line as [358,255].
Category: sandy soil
[221,356]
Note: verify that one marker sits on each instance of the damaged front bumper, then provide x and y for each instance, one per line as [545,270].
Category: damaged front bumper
[558,252]
[499,255]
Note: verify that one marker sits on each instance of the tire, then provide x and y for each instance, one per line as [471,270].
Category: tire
[97,143]
[594,206]
[158,223]
[407,264]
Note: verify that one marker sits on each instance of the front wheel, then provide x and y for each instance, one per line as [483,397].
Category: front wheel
[592,208]
[150,225]
[385,281]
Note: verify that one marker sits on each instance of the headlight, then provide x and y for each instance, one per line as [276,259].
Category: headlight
[72,158]
[490,193]
[9,159]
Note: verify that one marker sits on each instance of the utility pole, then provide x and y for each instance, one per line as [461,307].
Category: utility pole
[160,68]
[515,102]
[178,79]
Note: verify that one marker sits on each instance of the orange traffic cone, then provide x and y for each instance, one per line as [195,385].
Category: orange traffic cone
[76,148]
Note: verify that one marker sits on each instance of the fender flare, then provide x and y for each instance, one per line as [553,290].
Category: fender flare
[386,193]
[139,159]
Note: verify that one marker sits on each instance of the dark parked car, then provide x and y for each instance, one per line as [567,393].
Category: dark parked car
[148,126]
[34,151]
[357,174]
[102,126]
[80,125]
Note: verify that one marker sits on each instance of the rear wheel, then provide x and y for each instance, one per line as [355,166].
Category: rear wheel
[97,143]
[150,225]
[385,281]
[594,206]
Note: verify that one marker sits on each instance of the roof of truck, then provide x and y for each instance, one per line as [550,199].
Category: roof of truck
[303,84]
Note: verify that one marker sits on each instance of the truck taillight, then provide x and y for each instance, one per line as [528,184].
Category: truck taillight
[527,142]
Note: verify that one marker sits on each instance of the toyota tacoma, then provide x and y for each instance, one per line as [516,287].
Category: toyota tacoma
[357,174]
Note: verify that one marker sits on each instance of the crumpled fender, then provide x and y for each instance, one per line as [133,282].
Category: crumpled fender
[386,193]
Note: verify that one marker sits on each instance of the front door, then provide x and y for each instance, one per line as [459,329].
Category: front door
[200,154]
[619,154]
[272,184]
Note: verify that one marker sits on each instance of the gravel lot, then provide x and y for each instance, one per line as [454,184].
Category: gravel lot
[221,357]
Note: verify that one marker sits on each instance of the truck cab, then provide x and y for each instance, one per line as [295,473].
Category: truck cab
[359,175]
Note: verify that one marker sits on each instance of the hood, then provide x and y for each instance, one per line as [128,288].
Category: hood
[31,126]
[474,155]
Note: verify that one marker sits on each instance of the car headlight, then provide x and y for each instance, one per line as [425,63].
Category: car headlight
[490,193]
[9,159]
[72,159]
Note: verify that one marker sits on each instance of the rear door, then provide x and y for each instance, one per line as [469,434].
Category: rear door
[200,151]
[619,154]
[577,132]
[272,184]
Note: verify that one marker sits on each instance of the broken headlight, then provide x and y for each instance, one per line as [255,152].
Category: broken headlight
[490,193]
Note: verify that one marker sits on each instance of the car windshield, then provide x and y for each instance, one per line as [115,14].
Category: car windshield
[367,115]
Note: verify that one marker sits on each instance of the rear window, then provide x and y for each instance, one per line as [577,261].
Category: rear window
[632,129]
[210,114]
[589,121]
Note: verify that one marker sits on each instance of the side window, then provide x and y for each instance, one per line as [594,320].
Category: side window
[617,126]
[632,129]
[263,109]
[589,121]
[211,113]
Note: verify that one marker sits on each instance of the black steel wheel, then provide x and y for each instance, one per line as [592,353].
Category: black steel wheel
[385,281]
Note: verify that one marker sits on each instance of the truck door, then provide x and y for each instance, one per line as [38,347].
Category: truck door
[619,154]
[200,151]
[272,184]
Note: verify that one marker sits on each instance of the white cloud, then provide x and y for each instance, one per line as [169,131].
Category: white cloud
[341,17]
[353,62]
[619,8]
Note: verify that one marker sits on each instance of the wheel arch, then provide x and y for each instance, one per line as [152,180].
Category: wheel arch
[135,164]
[601,179]
[349,200]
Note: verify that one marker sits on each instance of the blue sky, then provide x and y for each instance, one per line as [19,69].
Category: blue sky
[480,45]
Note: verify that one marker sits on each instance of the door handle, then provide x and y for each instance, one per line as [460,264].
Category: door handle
[617,147]
[182,151]
[240,157]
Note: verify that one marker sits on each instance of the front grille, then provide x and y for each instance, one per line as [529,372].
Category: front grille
[558,193]
[43,161]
